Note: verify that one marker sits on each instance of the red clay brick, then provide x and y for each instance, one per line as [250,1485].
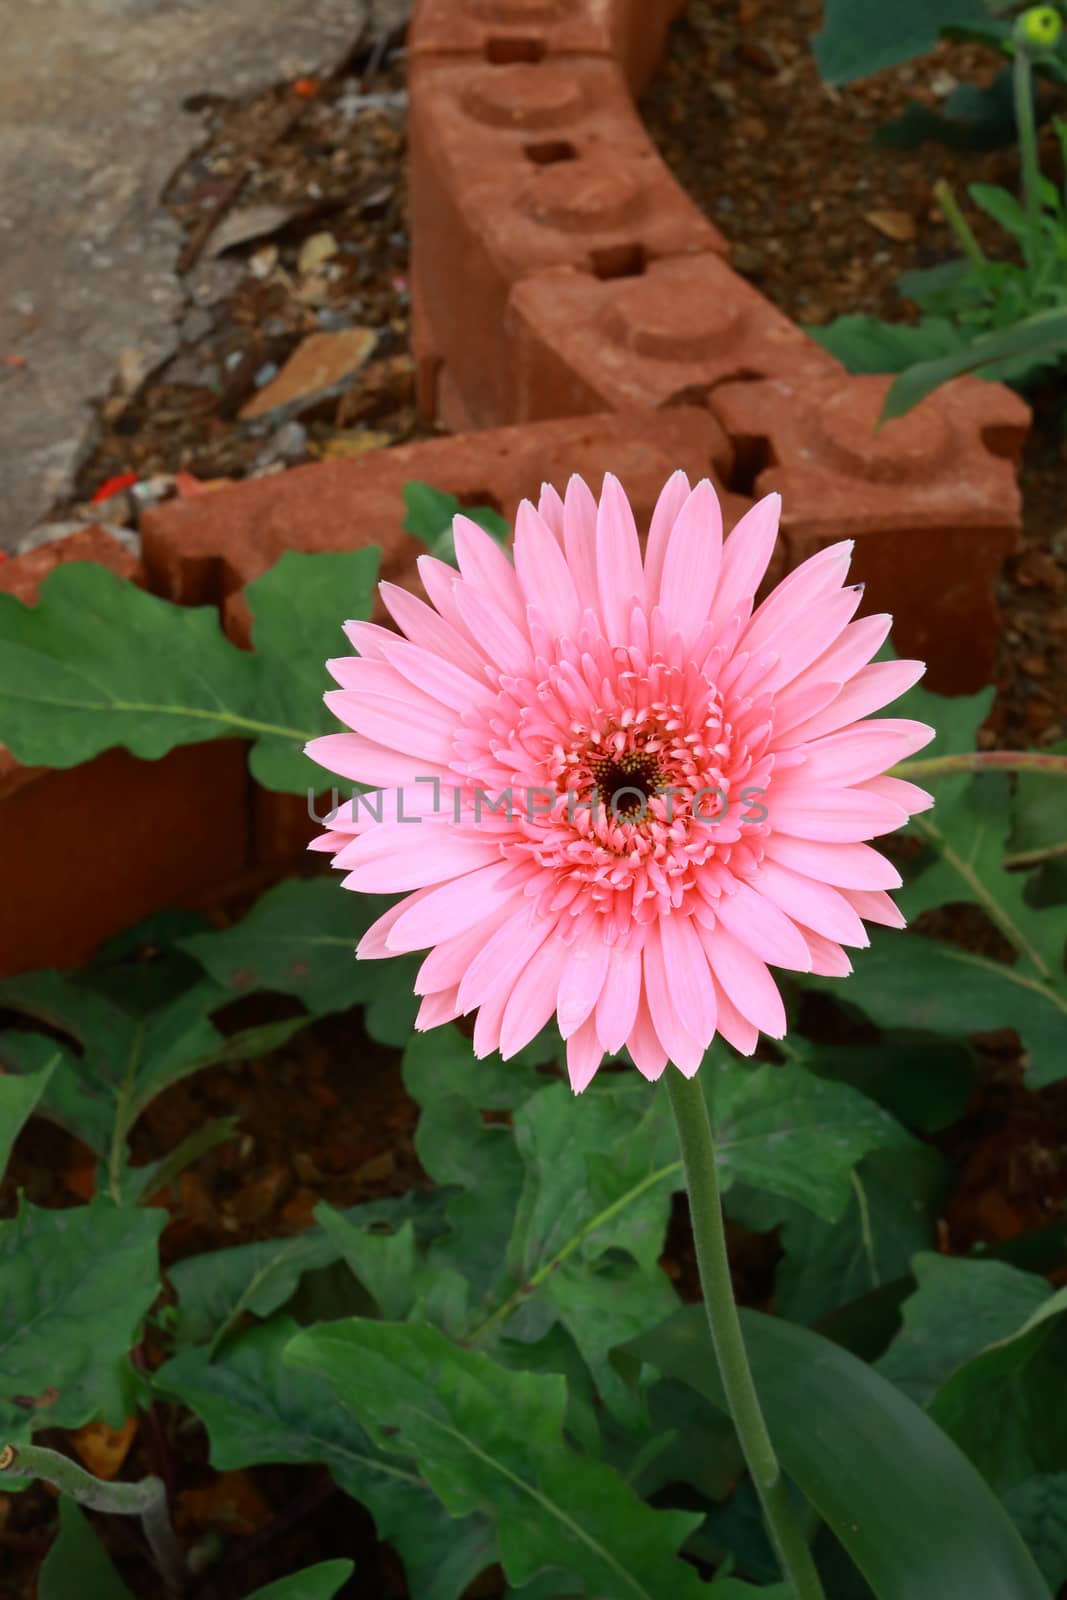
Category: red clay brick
[90,851]
[22,576]
[631,32]
[136,835]
[931,500]
[679,328]
[519,169]
[204,549]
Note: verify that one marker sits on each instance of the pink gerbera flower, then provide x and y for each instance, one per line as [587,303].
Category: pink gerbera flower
[616,789]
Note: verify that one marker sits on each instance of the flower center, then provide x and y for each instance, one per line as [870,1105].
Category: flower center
[625,784]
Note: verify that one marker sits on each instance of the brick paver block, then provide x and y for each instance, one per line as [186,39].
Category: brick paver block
[931,500]
[136,835]
[630,32]
[677,329]
[204,549]
[518,169]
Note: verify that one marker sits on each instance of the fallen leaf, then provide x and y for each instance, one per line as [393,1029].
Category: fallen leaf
[306,88]
[102,1449]
[230,1504]
[323,365]
[250,222]
[898,225]
[319,248]
[345,445]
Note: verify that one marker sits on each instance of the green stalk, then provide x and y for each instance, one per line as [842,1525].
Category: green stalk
[1049,762]
[705,1208]
[146,1499]
[958,223]
[1022,87]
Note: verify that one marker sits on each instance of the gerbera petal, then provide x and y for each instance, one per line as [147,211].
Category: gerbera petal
[688,980]
[683,1049]
[452,908]
[584,1055]
[846,866]
[849,815]
[873,905]
[745,980]
[644,1044]
[617,1005]
[691,565]
[582,981]
[619,571]
[745,557]
[864,750]
[423,625]
[486,568]
[873,687]
[550,510]
[350,755]
[813,905]
[761,925]
[544,576]
[395,859]
[672,497]
[532,999]
[435,676]
[579,541]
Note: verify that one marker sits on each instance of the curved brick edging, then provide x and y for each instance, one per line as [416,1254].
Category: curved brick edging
[562,284]
[559,269]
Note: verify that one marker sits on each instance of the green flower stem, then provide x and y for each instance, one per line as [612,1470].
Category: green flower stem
[984,761]
[698,1157]
[1023,88]
[146,1499]
[958,223]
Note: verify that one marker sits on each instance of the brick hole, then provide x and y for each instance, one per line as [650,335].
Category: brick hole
[1005,442]
[619,261]
[503,52]
[481,497]
[549,152]
[752,456]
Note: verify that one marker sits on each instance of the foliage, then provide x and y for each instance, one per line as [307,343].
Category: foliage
[98,662]
[497,1365]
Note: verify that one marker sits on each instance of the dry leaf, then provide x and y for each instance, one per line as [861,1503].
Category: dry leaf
[898,225]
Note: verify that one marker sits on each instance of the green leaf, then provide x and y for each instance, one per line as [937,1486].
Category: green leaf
[300,938]
[792,1134]
[19,1094]
[973,117]
[457,1146]
[1039,337]
[126,1060]
[1038,1508]
[1002,207]
[298,609]
[74,1286]
[867,344]
[897,1197]
[1004,1406]
[906,981]
[489,1439]
[429,514]
[958,1308]
[912,1512]
[1039,818]
[968,831]
[77,1565]
[320,1582]
[258,1410]
[385,1263]
[858,39]
[922,1080]
[218,1288]
[98,662]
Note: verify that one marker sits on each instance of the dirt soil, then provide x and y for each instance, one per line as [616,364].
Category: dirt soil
[786,168]
[823,222]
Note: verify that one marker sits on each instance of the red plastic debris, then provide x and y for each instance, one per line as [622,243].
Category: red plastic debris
[306,88]
[122,480]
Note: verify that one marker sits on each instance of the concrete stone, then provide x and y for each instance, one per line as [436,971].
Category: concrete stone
[92,126]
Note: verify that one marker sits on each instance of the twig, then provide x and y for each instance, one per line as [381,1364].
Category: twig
[146,1499]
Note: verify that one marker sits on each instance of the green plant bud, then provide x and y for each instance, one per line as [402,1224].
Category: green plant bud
[1039,28]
